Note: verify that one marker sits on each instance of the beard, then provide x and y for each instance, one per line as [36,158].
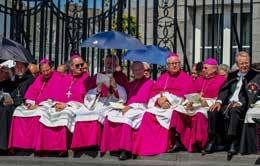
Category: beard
[109,70]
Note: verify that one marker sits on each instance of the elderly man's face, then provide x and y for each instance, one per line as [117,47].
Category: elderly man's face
[223,72]
[46,70]
[173,64]
[20,69]
[138,70]
[110,64]
[4,74]
[209,70]
[243,64]
[77,66]
[194,72]
[147,71]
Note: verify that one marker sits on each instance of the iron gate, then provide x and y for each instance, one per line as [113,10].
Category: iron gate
[55,28]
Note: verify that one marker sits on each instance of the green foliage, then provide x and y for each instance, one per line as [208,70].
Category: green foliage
[130,29]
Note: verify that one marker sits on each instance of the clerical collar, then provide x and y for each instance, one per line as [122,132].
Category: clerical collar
[77,76]
[44,79]
[175,74]
[211,76]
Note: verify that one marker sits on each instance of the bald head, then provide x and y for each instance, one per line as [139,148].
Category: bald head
[111,62]
[173,64]
[33,68]
[138,70]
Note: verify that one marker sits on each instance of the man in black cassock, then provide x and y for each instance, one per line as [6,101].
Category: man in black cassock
[17,88]
[229,111]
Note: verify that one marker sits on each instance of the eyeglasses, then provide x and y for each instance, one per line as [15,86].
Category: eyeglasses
[79,65]
[173,63]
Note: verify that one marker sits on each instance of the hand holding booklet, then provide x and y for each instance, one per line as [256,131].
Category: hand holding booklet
[193,97]
[103,79]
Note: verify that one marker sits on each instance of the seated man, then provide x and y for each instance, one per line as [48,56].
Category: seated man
[248,143]
[190,122]
[105,88]
[25,121]
[57,122]
[152,137]
[231,106]
[111,64]
[18,86]
[118,127]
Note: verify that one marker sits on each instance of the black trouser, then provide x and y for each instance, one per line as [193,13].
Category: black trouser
[226,122]
[6,113]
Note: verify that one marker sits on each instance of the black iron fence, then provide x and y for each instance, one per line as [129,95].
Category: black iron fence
[197,29]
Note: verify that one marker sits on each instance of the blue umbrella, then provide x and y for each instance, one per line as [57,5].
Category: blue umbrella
[113,40]
[152,55]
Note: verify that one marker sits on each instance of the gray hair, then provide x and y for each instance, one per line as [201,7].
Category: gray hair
[114,57]
[242,54]
[224,67]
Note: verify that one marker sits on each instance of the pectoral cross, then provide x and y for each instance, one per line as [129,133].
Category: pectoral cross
[18,93]
[68,94]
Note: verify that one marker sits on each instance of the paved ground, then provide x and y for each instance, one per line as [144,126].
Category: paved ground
[182,159]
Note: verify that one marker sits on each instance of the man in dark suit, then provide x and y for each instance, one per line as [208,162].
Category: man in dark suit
[231,106]
[19,85]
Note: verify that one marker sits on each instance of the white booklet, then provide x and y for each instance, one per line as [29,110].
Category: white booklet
[117,105]
[193,97]
[103,79]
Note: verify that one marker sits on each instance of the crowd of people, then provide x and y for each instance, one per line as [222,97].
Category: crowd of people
[48,111]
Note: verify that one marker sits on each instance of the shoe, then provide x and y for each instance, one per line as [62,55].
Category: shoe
[232,150]
[125,155]
[176,148]
[210,148]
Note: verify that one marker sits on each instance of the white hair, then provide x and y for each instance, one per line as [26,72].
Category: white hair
[242,54]
[114,58]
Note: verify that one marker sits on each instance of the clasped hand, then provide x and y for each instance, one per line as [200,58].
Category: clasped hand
[163,102]
[60,106]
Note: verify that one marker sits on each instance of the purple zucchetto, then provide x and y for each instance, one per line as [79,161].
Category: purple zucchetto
[44,61]
[211,61]
[172,54]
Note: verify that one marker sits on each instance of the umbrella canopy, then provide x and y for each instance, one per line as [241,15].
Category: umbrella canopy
[113,40]
[152,55]
[10,49]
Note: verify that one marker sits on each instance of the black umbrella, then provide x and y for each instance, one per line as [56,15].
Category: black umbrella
[10,49]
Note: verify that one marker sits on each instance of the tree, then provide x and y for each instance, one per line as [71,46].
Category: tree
[131,29]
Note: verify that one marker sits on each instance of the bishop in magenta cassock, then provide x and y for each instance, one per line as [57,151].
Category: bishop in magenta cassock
[25,122]
[152,137]
[191,125]
[58,121]
[100,92]
[119,124]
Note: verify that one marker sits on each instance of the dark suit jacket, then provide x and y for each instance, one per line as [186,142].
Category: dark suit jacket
[228,88]
[254,94]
